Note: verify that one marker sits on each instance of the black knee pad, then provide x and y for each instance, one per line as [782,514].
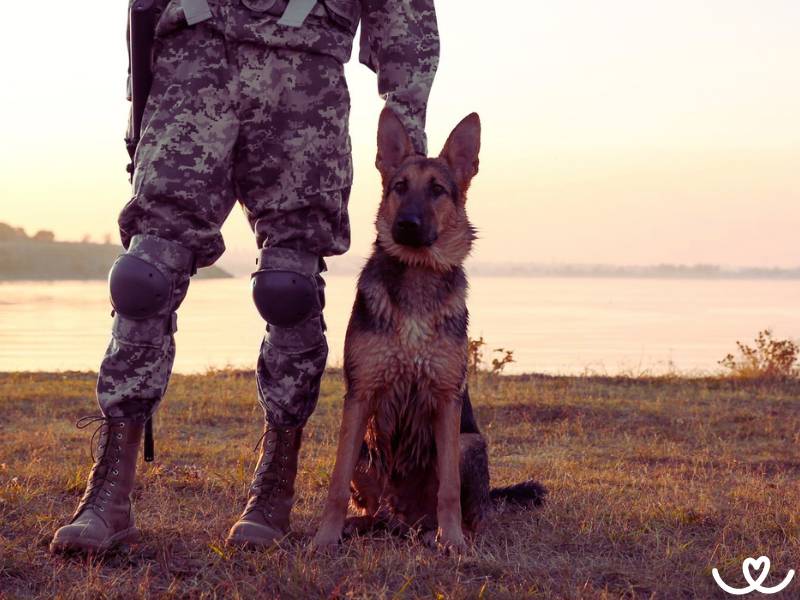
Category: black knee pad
[138,289]
[146,285]
[284,298]
[285,289]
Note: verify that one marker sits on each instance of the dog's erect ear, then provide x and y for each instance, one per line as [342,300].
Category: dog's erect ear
[394,145]
[462,148]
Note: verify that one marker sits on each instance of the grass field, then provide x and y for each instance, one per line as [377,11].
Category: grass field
[652,483]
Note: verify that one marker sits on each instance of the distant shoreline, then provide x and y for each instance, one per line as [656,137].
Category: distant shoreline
[610,272]
[721,277]
[659,271]
[41,258]
[40,261]
[203,274]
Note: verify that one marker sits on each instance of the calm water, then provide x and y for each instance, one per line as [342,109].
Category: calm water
[553,325]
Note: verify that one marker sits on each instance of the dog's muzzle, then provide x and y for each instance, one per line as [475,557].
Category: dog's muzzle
[409,231]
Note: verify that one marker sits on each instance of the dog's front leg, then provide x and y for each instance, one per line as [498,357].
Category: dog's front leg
[351,434]
[448,510]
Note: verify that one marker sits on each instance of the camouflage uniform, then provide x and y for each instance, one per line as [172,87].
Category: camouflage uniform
[244,108]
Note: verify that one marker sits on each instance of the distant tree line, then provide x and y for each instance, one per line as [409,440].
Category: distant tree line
[41,257]
[9,233]
[17,234]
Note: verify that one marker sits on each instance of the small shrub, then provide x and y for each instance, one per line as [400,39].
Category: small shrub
[498,364]
[475,354]
[475,357]
[769,359]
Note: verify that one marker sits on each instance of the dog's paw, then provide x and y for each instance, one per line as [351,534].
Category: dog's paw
[450,542]
[325,541]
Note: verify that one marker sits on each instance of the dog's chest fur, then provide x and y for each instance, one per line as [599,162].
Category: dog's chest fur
[407,339]
[412,318]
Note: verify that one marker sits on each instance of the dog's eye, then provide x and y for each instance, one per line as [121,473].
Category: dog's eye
[401,187]
[437,189]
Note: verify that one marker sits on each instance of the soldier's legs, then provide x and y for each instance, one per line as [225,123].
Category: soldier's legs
[182,194]
[293,174]
[148,284]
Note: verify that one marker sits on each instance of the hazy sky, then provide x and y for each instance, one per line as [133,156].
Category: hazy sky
[628,131]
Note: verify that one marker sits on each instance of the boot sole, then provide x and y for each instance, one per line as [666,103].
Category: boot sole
[126,536]
[239,540]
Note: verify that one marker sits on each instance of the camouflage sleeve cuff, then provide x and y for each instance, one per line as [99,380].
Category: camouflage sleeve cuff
[400,42]
[412,115]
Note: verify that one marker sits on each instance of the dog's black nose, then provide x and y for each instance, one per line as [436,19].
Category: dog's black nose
[409,231]
[409,224]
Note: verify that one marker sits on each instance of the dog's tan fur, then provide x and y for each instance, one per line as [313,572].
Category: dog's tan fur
[406,350]
[455,232]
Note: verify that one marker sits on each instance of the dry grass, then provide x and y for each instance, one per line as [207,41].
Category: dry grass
[652,483]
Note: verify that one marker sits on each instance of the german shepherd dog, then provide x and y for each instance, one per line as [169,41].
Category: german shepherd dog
[410,452]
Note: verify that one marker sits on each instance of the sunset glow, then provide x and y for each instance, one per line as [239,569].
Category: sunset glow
[628,132]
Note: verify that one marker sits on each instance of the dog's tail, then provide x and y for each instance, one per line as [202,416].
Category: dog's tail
[527,493]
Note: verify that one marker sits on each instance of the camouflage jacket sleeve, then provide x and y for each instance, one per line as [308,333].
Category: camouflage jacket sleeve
[400,42]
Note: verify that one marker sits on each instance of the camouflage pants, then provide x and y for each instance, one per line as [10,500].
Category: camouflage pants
[230,122]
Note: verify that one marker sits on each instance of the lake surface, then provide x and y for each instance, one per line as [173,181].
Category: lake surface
[552,325]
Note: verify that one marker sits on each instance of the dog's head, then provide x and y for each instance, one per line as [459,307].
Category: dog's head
[422,218]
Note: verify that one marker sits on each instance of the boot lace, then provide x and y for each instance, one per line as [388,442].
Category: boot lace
[270,476]
[104,470]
